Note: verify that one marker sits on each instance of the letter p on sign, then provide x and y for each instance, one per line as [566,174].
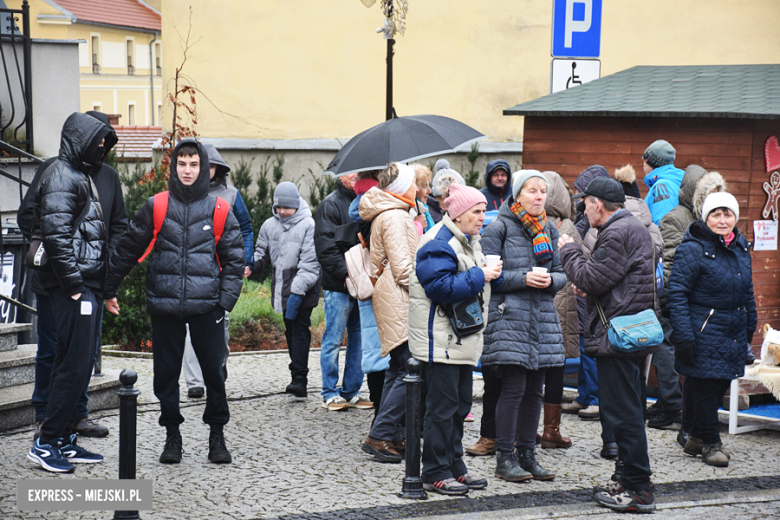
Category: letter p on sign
[571,25]
[576,28]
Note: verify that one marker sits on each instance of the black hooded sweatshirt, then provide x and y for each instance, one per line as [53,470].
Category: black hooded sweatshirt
[183,277]
[77,257]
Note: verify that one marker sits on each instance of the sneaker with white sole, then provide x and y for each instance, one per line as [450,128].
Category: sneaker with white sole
[336,403]
[75,453]
[50,457]
[626,501]
[448,486]
[361,403]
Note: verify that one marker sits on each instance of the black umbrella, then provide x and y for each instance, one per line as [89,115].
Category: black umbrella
[402,139]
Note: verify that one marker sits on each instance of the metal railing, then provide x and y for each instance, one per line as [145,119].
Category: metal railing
[18,78]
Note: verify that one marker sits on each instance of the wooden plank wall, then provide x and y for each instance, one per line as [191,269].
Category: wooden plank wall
[734,147]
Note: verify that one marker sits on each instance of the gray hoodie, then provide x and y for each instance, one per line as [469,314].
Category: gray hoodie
[288,244]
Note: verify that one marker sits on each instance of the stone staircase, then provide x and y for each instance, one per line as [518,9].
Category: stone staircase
[17,379]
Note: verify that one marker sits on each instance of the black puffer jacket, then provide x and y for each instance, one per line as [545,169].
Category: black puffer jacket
[77,256]
[183,277]
[620,273]
[334,233]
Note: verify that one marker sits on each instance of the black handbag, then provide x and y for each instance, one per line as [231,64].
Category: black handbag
[466,316]
[36,258]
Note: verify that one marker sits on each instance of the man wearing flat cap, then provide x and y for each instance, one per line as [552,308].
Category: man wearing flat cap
[621,275]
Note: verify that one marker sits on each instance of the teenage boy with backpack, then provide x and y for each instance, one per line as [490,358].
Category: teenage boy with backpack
[194,275]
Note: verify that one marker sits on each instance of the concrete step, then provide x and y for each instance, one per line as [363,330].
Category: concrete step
[9,334]
[17,367]
[16,407]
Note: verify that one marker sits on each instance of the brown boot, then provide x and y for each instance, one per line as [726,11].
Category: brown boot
[483,447]
[552,438]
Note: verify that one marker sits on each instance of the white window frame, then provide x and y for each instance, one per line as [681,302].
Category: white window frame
[92,52]
[130,122]
[130,43]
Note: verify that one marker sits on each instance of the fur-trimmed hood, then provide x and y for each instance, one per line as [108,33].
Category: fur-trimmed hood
[708,183]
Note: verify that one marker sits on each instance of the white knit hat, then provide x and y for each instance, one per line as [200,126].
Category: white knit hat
[719,199]
[403,181]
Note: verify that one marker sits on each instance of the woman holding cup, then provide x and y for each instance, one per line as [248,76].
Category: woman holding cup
[523,335]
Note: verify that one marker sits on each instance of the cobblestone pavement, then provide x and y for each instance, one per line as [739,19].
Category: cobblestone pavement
[292,458]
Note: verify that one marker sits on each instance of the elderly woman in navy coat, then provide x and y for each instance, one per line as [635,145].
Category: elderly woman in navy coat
[713,313]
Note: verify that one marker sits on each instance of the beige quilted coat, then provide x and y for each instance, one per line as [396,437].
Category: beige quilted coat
[393,238]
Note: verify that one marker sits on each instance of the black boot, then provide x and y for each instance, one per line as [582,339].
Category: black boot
[218,452]
[683,435]
[528,462]
[507,468]
[618,474]
[297,387]
[172,451]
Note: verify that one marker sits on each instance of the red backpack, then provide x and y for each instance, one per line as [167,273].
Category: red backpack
[221,209]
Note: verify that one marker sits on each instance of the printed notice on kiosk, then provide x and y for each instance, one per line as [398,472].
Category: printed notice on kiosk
[84,495]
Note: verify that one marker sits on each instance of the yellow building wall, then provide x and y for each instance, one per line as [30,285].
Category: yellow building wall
[113,90]
[302,69]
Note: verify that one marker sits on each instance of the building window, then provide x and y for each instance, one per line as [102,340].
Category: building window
[131,114]
[97,107]
[159,113]
[158,58]
[130,57]
[96,55]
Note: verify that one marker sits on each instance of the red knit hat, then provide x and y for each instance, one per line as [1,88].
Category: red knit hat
[363,185]
[461,199]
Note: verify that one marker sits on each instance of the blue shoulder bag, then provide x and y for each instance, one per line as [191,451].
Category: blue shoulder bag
[636,332]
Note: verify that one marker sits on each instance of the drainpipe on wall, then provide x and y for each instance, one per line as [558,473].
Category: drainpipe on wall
[151,75]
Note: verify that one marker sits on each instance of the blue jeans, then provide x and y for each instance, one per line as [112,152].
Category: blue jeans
[44,359]
[587,379]
[341,313]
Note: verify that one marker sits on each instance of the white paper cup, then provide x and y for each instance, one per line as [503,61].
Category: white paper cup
[491,261]
[542,270]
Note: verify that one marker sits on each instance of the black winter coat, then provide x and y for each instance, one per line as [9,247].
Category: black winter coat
[523,326]
[334,233]
[112,203]
[620,272]
[707,275]
[183,277]
[77,256]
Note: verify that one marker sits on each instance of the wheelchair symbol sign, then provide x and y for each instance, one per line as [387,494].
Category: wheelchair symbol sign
[566,74]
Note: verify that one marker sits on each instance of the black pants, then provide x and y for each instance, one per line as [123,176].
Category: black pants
[388,424]
[448,402]
[77,330]
[208,341]
[687,403]
[298,337]
[553,385]
[492,380]
[622,411]
[707,397]
[375,382]
[519,407]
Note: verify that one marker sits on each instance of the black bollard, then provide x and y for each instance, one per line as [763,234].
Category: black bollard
[128,406]
[413,486]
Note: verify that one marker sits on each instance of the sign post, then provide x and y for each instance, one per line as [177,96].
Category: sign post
[576,33]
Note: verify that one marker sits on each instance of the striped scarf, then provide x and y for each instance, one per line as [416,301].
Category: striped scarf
[543,250]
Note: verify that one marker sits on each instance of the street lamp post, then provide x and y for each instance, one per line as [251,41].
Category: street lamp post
[395,22]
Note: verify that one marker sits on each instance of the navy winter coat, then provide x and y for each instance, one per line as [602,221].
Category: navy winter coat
[523,326]
[707,275]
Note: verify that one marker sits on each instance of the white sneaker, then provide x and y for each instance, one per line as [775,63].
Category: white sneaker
[336,403]
[360,402]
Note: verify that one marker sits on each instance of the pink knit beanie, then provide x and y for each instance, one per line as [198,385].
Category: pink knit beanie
[461,199]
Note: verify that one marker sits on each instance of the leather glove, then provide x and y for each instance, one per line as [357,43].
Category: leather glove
[685,352]
[293,304]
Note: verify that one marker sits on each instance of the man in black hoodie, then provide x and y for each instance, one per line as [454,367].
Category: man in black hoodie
[109,190]
[69,220]
[498,184]
[191,280]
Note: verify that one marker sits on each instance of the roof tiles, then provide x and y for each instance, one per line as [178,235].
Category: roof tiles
[125,13]
[135,142]
[728,91]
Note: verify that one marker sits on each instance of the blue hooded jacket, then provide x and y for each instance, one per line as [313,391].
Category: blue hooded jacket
[494,195]
[664,183]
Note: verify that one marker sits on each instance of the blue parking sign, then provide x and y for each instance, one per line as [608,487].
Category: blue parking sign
[576,28]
